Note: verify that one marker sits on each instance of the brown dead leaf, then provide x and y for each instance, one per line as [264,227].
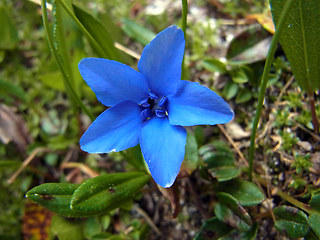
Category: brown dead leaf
[315,170]
[13,128]
[36,222]
[236,131]
[265,20]
[172,195]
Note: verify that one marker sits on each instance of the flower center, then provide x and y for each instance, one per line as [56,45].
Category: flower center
[154,106]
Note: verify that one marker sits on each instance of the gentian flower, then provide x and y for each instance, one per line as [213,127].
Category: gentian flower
[150,106]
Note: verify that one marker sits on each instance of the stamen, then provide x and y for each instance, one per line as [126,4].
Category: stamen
[146,104]
[152,95]
[146,114]
[160,113]
[162,101]
[142,102]
[153,106]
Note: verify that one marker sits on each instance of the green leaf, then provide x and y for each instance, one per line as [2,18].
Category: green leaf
[214,65]
[91,227]
[249,46]
[245,192]
[239,76]
[243,96]
[220,163]
[311,236]
[314,223]
[99,32]
[66,230]
[59,35]
[53,80]
[9,163]
[10,89]
[230,211]
[102,236]
[8,30]
[69,88]
[191,158]
[219,156]
[236,234]
[56,197]
[60,142]
[2,55]
[108,191]
[134,157]
[225,173]
[137,32]
[212,229]
[60,28]
[230,90]
[199,135]
[292,221]
[226,215]
[300,40]
[315,202]
[105,221]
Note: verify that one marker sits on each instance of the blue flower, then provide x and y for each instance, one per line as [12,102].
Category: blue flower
[150,107]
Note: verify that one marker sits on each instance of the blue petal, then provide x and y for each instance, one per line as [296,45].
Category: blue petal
[113,82]
[116,129]
[194,104]
[161,61]
[163,147]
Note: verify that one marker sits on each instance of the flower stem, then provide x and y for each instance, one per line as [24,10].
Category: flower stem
[184,29]
[264,81]
[58,60]
[184,16]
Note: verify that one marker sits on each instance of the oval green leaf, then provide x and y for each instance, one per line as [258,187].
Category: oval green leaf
[314,223]
[230,90]
[226,215]
[65,230]
[292,221]
[214,65]
[56,197]
[235,206]
[220,162]
[191,157]
[212,229]
[225,173]
[106,192]
[315,202]
[244,95]
[236,234]
[245,192]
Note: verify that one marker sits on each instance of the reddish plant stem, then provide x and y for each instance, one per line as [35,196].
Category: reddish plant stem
[198,203]
[315,121]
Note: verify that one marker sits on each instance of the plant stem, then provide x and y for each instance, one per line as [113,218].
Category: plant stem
[315,121]
[295,202]
[56,56]
[264,81]
[184,29]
